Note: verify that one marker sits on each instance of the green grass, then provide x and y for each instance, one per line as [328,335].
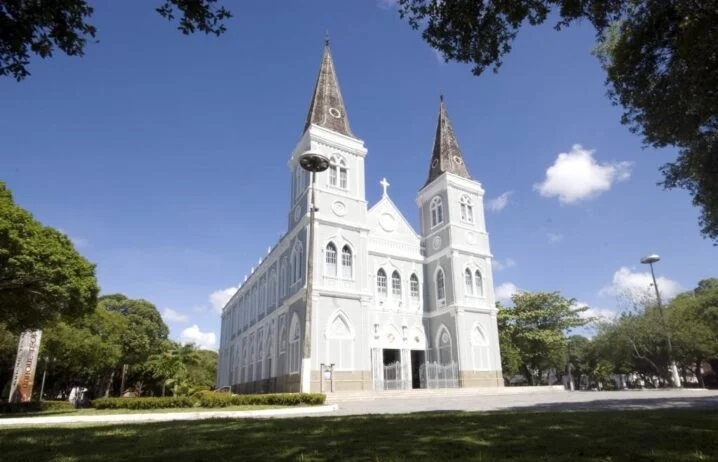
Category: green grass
[675,436]
[92,411]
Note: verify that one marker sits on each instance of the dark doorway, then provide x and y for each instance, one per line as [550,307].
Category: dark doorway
[391,357]
[417,361]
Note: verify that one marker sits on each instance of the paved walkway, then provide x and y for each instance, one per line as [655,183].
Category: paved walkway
[375,403]
[169,416]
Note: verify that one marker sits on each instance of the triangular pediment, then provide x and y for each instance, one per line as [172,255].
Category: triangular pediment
[386,220]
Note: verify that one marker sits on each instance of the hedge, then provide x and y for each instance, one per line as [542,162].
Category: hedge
[211,399]
[144,403]
[35,406]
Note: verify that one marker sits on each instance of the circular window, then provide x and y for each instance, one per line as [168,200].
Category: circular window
[434,163]
[334,112]
[458,160]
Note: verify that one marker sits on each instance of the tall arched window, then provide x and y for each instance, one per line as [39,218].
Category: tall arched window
[297,262]
[282,356]
[254,302]
[468,282]
[446,353]
[298,181]
[338,172]
[414,287]
[263,297]
[467,209]
[283,277]
[346,262]
[260,355]
[294,350]
[340,342]
[479,349]
[396,284]
[252,359]
[273,288]
[437,211]
[381,283]
[440,288]
[479,282]
[270,355]
[330,258]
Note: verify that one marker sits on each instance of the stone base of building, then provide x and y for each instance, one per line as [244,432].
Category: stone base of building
[477,379]
[343,381]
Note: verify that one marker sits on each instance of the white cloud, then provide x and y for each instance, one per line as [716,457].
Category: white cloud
[78,242]
[505,291]
[499,203]
[576,175]
[204,340]
[596,313]
[639,286]
[219,298]
[170,315]
[554,237]
[499,265]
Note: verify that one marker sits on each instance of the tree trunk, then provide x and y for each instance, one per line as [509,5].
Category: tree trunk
[699,375]
[109,383]
[163,389]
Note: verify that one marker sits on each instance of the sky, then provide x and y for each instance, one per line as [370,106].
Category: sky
[164,157]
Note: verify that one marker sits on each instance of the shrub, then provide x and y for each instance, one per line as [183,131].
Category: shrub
[214,399]
[144,403]
[35,406]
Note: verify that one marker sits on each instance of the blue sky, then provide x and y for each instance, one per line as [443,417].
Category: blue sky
[164,156]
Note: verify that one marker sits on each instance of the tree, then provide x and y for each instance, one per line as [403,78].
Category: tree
[183,367]
[660,56]
[42,277]
[534,328]
[39,26]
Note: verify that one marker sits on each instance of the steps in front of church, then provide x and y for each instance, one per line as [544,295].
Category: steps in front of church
[344,396]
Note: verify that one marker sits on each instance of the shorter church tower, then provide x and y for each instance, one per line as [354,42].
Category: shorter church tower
[460,311]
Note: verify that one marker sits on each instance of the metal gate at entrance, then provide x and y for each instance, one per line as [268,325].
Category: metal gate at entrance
[392,370]
[438,375]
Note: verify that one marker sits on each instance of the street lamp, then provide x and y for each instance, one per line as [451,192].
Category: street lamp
[313,162]
[675,378]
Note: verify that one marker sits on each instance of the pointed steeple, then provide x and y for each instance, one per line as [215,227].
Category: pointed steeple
[327,107]
[446,156]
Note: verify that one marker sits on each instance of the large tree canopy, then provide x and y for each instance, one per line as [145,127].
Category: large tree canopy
[39,26]
[660,56]
[42,277]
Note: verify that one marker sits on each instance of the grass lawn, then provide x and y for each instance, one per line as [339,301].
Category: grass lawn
[92,411]
[675,436]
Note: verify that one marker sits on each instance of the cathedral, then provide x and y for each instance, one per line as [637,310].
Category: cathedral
[384,307]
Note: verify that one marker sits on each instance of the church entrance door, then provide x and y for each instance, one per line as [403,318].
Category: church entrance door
[418,358]
[392,369]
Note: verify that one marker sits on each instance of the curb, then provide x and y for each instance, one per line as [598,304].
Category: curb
[168,417]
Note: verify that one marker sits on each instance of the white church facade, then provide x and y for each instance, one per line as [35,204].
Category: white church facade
[390,308]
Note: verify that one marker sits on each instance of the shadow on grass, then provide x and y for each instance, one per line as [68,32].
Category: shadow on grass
[664,435]
[684,402]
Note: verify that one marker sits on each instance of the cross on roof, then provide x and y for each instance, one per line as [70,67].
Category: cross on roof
[385,184]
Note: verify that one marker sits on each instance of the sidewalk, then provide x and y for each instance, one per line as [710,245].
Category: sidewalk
[170,416]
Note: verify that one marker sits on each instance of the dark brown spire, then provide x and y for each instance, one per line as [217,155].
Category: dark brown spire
[327,106]
[446,156]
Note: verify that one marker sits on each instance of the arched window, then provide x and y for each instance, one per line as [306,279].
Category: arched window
[340,342]
[330,257]
[437,211]
[396,284]
[346,262]
[270,355]
[440,288]
[479,349]
[446,353]
[273,288]
[282,361]
[467,209]
[294,345]
[381,283]
[260,355]
[414,287]
[263,297]
[254,302]
[298,181]
[468,282]
[338,172]
[283,277]
[252,358]
[479,282]
[297,262]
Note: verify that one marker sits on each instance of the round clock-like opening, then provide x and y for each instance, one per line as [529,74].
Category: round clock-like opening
[334,112]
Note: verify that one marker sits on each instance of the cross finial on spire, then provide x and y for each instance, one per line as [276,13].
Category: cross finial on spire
[441,97]
[385,184]
[326,38]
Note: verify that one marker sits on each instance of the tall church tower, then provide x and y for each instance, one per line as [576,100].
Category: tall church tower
[460,310]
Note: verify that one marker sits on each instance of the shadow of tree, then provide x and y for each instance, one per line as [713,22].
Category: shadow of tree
[655,435]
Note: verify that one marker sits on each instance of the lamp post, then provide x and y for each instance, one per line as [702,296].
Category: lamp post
[313,162]
[675,378]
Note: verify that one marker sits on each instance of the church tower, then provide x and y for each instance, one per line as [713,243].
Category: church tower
[460,312]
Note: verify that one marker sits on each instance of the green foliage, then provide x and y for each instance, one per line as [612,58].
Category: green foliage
[42,277]
[40,26]
[184,368]
[34,406]
[144,403]
[660,58]
[532,332]
[211,400]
